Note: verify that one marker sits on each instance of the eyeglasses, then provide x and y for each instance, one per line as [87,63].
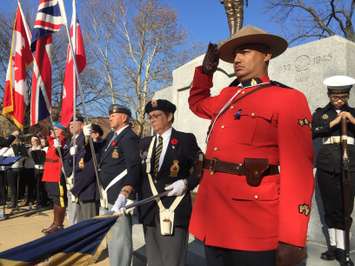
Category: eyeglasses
[155,116]
[339,97]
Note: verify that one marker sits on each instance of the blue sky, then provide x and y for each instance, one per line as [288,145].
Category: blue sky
[204,20]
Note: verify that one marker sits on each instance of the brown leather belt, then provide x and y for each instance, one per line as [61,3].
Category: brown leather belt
[52,160]
[216,165]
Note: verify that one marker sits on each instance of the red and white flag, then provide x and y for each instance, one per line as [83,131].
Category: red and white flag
[70,79]
[16,90]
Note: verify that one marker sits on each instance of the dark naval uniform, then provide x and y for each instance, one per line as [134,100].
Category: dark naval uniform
[329,162]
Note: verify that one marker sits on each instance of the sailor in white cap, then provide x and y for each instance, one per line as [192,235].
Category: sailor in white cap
[326,125]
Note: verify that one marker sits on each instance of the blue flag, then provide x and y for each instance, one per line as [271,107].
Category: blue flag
[74,245]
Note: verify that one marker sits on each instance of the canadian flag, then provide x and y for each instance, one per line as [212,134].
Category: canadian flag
[16,90]
[70,79]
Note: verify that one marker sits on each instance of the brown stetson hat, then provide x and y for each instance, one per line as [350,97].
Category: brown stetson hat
[251,35]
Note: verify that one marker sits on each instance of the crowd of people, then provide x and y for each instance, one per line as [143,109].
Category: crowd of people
[23,178]
[255,179]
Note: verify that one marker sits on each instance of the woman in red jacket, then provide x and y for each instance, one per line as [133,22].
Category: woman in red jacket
[53,179]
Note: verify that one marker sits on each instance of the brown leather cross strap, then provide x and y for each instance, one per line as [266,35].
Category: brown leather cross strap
[216,165]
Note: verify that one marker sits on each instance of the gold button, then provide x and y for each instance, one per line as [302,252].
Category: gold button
[256,196]
[222,126]
[252,114]
[215,148]
[232,107]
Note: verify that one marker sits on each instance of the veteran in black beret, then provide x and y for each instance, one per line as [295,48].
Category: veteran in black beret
[326,126]
[119,173]
[167,164]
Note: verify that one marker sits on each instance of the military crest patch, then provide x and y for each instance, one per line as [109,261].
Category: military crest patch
[304,122]
[81,163]
[304,209]
[174,169]
[154,103]
[115,154]
[325,116]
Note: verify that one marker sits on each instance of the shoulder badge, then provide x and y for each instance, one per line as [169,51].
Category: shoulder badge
[304,122]
[325,116]
[304,209]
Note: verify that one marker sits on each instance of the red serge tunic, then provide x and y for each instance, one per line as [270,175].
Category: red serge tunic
[52,165]
[272,123]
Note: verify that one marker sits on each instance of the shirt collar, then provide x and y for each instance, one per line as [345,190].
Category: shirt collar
[250,82]
[166,135]
[117,132]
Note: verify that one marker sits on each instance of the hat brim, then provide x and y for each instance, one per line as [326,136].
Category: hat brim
[276,44]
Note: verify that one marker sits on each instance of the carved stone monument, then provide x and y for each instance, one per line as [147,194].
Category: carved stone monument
[303,67]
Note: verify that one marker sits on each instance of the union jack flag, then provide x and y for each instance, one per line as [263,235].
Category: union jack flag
[48,20]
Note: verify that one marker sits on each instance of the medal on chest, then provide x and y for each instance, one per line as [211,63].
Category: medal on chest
[115,154]
[325,116]
[81,163]
[174,168]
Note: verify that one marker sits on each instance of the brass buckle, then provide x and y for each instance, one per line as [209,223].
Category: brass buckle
[212,166]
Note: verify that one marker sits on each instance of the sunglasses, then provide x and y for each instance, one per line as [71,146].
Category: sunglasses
[339,97]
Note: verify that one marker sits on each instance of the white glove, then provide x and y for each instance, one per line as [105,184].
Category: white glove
[73,150]
[87,130]
[177,188]
[120,203]
[56,143]
[15,133]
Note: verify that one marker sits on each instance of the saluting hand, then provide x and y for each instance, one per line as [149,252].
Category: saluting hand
[211,59]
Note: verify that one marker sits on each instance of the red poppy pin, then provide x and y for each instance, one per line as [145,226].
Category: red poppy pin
[174,141]
[114,143]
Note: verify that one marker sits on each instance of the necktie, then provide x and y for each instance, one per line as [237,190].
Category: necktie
[158,150]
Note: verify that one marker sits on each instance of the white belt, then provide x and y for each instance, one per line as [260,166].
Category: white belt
[39,166]
[104,200]
[337,140]
[3,168]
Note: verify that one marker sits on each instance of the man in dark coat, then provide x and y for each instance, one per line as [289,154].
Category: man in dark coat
[85,184]
[73,153]
[327,127]
[4,143]
[119,173]
[167,160]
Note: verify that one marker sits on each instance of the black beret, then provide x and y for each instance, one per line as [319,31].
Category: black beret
[78,118]
[117,108]
[97,129]
[162,105]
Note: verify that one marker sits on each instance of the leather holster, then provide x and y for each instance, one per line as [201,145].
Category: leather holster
[254,170]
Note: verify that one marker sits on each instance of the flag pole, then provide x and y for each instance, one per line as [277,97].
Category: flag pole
[91,144]
[44,93]
[73,53]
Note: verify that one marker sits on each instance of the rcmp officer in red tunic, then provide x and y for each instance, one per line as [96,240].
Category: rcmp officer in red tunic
[247,212]
[327,126]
